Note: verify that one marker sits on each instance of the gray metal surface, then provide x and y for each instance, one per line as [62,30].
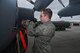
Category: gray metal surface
[73,8]
[7,22]
[40,4]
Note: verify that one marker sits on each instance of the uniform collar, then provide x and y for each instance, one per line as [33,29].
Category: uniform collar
[47,22]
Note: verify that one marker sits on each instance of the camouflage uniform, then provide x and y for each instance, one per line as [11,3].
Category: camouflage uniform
[43,34]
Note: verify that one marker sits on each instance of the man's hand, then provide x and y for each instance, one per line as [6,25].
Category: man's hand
[25,23]
[32,24]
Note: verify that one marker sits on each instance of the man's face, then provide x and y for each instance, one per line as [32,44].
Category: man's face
[43,17]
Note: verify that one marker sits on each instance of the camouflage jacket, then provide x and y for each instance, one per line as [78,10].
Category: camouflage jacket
[43,34]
